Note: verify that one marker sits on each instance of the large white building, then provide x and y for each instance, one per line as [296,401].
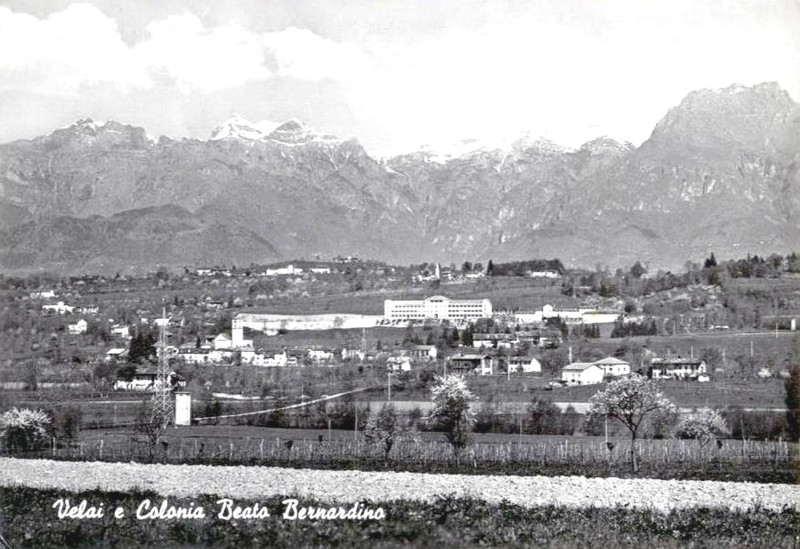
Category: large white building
[570,316]
[437,307]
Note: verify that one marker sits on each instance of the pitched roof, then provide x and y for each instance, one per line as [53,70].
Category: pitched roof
[579,366]
[609,361]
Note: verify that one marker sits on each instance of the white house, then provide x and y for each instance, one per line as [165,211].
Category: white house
[422,352]
[59,308]
[270,359]
[582,373]
[399,363]
[145,381]
[43,294]
[482,364]
[543,274]
[353,354]
[287,270]
[223,341]
[524,364]
[321,355]
[320,270]
[79,327]
[678,368]
[614,367]
[194,356]
[116,353]
[121,331]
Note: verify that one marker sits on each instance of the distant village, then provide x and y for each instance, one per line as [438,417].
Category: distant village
[489,342]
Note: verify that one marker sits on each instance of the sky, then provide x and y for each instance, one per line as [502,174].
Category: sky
[396,75]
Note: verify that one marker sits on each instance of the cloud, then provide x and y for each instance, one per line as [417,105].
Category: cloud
[209,60]
[301,54]
[82,46]
[58,54]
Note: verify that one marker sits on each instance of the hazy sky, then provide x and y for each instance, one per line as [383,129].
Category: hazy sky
[394,74]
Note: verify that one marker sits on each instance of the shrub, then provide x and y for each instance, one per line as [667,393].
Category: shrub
[25,429]
[705,425]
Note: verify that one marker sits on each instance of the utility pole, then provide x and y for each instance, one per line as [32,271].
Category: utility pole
[389,386]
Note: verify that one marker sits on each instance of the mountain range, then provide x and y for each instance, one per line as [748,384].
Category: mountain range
[720,173]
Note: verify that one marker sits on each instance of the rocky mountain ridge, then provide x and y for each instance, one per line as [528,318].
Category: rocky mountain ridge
[721,172]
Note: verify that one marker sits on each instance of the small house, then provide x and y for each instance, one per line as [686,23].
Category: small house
[582,373]
[223,341]
[399,363]
[524,364]
[79,327]
[481,364]
[423,353]
[614,367]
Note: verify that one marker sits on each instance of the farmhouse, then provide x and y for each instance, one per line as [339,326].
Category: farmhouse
[437,307]
[421,352]
[678,368]
[117,354]
[271,359]
[614,367]
[146,380]
[79,327]
[59,308]
[321,355]
[482,364]
[399,363]
[582,373]
[524,364]
[121,331]
[353,354]
[223,341]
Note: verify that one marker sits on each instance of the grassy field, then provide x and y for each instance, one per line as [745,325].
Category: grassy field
[28,520]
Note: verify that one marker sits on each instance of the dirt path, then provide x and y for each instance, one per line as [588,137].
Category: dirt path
[351,486]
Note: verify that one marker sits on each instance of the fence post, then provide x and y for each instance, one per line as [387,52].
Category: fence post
[102,440]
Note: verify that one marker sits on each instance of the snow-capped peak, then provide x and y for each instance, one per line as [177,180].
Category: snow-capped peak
[444,152]
[238,127]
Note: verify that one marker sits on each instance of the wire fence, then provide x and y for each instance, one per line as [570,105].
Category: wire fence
[669,458]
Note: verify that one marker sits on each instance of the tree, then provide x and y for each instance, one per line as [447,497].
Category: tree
[143,346]
[638,270]
[451,410]
[704,425]
[792,386]
[631,401]
[383,429]
[467,336]
[25,429]
[544,417]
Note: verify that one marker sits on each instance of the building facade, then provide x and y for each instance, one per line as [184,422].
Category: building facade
[437,307]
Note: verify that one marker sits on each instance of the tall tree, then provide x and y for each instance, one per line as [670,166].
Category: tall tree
[631,401]
[452,411]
